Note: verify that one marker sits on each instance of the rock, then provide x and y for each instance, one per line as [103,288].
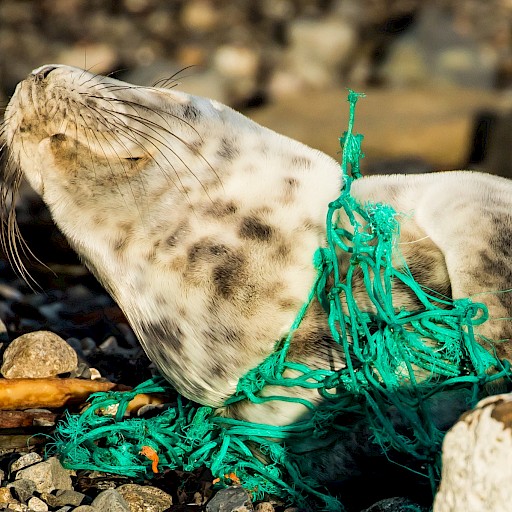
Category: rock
[232,499]
[319,49]
[436,52]
[264,506]
[145,499]
[47,475]
[200,15]
[110,501]
[395,125]
[477,460]
[63,497]
[23,489]
[238,68]
[397,504]
[236,62]
[6,497]
[25,460]
[37,505]
[38,354]
[89,508]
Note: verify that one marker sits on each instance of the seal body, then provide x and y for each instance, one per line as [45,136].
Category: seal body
[202,225]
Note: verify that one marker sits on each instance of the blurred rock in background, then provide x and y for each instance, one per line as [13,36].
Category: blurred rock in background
[248,54]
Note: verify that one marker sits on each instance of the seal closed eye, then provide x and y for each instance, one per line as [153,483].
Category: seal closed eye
[209,223]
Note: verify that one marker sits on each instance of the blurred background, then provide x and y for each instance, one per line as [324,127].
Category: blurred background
[438,73]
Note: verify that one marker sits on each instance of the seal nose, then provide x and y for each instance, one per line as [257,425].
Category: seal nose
[42,72]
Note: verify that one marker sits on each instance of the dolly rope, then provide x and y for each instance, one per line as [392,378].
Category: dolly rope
[395,359]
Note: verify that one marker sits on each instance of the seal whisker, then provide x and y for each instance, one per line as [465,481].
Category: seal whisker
[163,82]
[124,129]
[154,141]
[112,171]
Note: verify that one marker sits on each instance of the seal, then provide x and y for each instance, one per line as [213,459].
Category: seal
[202,225]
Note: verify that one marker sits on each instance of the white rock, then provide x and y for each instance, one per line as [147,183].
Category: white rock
[38,354]
[37,505]
[319,49]
[477,460]
[25,460]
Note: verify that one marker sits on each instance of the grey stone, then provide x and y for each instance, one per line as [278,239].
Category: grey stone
[145,498]
[38,354]
[37,505]
[63,497]
[47,475]
[23,489]
[110,501]
[435,52]
[25,460]
[232,499]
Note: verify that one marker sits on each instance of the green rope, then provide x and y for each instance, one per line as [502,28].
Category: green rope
[395,359]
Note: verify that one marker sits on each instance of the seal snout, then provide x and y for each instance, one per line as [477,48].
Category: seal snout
[42,72]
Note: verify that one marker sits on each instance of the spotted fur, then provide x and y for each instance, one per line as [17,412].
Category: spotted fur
[209,225]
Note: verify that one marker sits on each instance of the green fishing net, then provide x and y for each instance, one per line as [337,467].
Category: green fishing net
[386,351]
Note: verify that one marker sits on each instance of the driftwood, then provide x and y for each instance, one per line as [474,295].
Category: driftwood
[54,393]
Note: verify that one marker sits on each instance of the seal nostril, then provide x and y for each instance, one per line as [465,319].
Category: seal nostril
[42,73]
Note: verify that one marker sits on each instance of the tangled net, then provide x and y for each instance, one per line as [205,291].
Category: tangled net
[385,352]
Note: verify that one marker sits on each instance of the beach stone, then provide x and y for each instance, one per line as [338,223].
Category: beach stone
[23,489]
[63,497]
[319,49]
[232,499]
[264,506]
[25,460]
[6,497]
[110,501]
[145,498]
[38,354]
[47,475]
[37,505]
[477,459]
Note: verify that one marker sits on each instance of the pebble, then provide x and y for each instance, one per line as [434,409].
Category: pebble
[38,354]
[23,489]
[145,498]
[231,499]
[37,505]
[6,496]
[264,506]
[110,501]
[63,497]
[25,460]
[47,475]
